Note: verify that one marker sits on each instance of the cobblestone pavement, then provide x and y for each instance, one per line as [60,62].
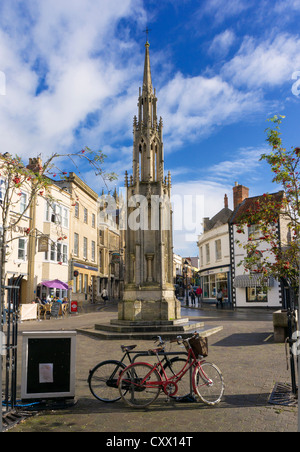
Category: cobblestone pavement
[245,352]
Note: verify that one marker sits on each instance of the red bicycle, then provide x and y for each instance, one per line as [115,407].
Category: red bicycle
[140,383]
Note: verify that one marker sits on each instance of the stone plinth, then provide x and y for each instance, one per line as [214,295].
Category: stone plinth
[149,303]
[280,324]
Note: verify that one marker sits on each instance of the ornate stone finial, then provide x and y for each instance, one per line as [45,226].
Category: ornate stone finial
[115,195]
[126,179]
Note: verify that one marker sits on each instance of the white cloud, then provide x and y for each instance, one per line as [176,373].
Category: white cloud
[193,106]
[62,61]
[193,201]
[222,43]
[264,64]
[243,163]
[223,9]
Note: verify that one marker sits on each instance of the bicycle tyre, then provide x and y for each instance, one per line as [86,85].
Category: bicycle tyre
[184,386]
[208,383]
[137,394]
[103,380]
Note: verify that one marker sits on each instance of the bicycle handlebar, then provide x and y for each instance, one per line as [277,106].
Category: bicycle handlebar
[179,339]
[159,340]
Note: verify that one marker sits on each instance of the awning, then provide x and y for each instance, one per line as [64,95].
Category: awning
[243,281]
[56,284]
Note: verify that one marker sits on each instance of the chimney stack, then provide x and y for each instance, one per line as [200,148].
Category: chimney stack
[35,165]
[239,194]
[226,202]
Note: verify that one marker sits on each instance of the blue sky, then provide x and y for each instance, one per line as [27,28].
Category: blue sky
[73,69]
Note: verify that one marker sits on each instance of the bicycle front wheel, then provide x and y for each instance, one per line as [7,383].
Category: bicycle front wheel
[103,380]
[139,385]
[208,383]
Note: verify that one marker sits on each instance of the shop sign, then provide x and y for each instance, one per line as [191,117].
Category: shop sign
[43,244]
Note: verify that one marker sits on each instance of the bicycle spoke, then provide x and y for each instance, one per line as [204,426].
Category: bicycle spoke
[209,383]
[142,386]
[103,381]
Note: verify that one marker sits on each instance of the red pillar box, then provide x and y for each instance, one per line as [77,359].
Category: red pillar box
[74,306]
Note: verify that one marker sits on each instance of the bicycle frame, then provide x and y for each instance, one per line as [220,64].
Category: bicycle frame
[141,353]
[165,383]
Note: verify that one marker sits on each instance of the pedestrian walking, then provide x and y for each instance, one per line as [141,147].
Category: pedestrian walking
[192,295]
[104,295]
[199,295]
[220,298]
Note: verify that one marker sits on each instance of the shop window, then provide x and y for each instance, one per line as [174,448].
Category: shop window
[80,283]
[85,284]
[254,231]
[257,295]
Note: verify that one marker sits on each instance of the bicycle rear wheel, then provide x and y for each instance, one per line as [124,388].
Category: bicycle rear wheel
[103,380]
[139,385]
[208,383]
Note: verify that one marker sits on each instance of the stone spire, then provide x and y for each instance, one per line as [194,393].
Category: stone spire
[148,279]
[147,134]
[147,81]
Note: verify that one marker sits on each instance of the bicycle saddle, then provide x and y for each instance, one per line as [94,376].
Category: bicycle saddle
[155,350]
[127,348]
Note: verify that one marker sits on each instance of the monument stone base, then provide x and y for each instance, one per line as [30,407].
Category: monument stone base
[149,303]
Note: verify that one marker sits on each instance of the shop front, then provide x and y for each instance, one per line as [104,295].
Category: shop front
[213,280]
[52,289]
[84,283]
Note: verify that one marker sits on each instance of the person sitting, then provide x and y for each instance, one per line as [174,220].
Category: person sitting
[43,300]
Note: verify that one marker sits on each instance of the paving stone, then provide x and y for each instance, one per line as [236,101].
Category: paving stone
[244,350]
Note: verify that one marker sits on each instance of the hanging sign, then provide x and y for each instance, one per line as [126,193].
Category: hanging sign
[115,258]
[43,244]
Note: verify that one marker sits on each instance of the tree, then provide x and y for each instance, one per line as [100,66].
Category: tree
[22,185]
[280,257]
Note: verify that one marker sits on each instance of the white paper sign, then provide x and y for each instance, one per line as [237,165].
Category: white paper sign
[46,373]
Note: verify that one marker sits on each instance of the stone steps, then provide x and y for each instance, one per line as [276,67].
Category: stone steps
[107,334]
[144,328]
